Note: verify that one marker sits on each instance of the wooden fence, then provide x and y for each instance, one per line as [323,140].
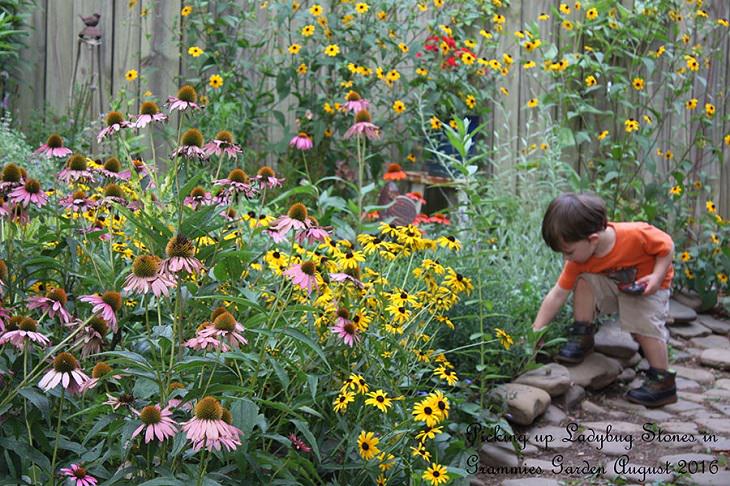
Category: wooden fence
[145,37]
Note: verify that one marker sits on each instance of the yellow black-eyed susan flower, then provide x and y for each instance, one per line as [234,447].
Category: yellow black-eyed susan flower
[215,81]
[342,400]
[367,445]
[131,75]
[332,50]
[436,474]
[380,400]
[195,51]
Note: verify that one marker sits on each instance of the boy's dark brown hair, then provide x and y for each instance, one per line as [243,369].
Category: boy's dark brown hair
[572,217]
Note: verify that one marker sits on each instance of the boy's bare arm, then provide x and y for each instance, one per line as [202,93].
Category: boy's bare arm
[654,279]
[552,303]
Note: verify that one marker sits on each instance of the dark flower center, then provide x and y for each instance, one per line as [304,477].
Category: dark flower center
[80,472]
[65,363]
[113,190]
[344,313]
[112,164]
[224,136]
[112,299]
[77,162]
[308,268]
[180,246]
[353,96]
[187,93]
[238,175]
[28,325]
[380,398]
[427,410]
[13,323]
[225,322]
[57,294]
[114,118]
[227,416]
[55,141]
[266,171]
[99,325]
[192,137]
[349,328]
[197,192]
[149,108]
[217,311]
[363,116]
[100,369]
[365,446]
[11,173]
[298,211]
[150,415]
[32,186]
[146,266]
[208,408]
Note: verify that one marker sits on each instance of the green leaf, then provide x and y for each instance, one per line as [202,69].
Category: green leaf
[293,333]
[38,400]
[304,429]
[246,416]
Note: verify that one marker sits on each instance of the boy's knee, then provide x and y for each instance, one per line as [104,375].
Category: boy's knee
[582,286]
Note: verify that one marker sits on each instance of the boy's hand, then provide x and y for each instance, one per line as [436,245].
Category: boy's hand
[652,282]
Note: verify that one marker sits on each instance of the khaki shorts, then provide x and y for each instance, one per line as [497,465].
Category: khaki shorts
[645,315]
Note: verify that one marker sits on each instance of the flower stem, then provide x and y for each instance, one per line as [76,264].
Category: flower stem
[203,468]
[58,433]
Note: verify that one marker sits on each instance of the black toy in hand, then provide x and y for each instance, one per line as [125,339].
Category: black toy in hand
[633,288]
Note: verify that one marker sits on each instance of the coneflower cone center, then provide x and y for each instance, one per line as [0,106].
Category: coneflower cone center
[100,369]
[224,136]
[266,171]
[78,195]
[112,164]
[192,137]
[353,96]
[238,175]
[225,322]
[149,108]
[59,295]
[227,416]
[150,415]
[28,325]
[308,268]
[180,246]
[112,299]
[113,190]
[349,328]
[146,266]
[187,93]
[363,116]
[216,312]
[114,118]
[197,192]
[55,141]
[80,472]
[344,313]
[77,162]
[11,173]
[32,186]
[208,408]
[99,325]
[297,211]
[65,363]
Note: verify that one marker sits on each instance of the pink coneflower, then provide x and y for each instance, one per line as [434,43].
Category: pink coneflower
[27,332]
[156,423]
[147,277]
[354,103]
[53,147]
[113,193]
[149,112]
[344,277]
[77,202]
[237,181]
[229,214]
[53,303]
[78,475]
[298,443]
[223,197]
[66,372]
[180,256]
[211,427]
[112,169]
[205,342]
[12,177]
[114,121]
[123,400]
[301,141]
[266,178]
[29,192]
[222,144]
[3,208]
[345,328]
[93,336]
[296,218]
[76,169]
[185,100]
[107,305]
[304,275]
[226,330]
[198,197]
[100,371]
[312,234]
[363,126]
[190,145]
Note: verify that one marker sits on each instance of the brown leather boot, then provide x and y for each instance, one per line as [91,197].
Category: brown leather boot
[579,345]
[658,389]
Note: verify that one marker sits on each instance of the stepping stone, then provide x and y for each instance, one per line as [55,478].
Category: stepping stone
[720,478]
[688,330]
[711,341]
[531,481]
[552,377]
[550,437]
[615,448]
[616,427]
[529,462]
[718,326]
[632,361]
[524,403]
[693,397]
[676,343]
[494,455]
[699,375]
[595,372]
[722,444]
[476,482]
[626,375]
[553,415]
[624,405]
[680,312]
[656,415]
[681,406]
[691,300]
[681,428]
[717,394]
[623,466]
[573,397]
[687,385]
[589,407]
[673,459]
[721,407]
[643,365]
[695,352]
[723,383]
[682,356]
[714,425]
[613,341]
[716,358]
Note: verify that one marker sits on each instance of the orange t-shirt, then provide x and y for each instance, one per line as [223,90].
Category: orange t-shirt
[636,248]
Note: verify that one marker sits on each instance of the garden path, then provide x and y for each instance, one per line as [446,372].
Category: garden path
[609,440]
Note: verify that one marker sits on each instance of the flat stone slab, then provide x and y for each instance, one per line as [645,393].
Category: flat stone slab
[718,326]
[723,383]
[717,394]
[720,478]
[655,415]
[716,358]
[553,378]
[703,377]
[623,466]
[722,444]
[685,384]
[549,437]
[681,406]
[673,459]
[595,372]
[553,415]
[691,300]
[714,425]
[531,481]
[615,342]
[721,407]
[681,428]
[615,427]
[590,407]
[493,455]
[626,375]
[711,341]
[688,330]
[524,403]
[680,312]
[530,462]
[573,397]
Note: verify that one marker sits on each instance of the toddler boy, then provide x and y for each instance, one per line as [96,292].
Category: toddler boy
[602,261]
